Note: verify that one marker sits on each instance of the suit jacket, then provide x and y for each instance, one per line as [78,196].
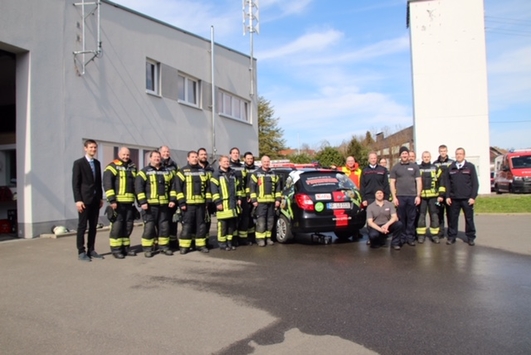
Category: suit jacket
[86,187]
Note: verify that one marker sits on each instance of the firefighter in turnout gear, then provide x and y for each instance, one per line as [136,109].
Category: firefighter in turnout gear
[202,160]
[431,195]
[226,195]
[264,187]
[192,187]
[443,162]
[119,185]
[241,174]
[168,163]
[153,190]
[246,218]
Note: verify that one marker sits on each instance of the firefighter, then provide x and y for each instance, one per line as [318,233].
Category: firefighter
[373,178]
[241,175]
[247,206]
[192,188]
[226,195]
[153,190]
[443,162]
[432,194]
[168,163]
[264,187]
[352,170]
[202,157]
[119,185]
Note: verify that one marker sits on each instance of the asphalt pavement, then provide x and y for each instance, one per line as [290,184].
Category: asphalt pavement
[301,298]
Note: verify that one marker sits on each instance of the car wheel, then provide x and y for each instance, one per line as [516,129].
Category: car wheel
[497,189]
[284,234]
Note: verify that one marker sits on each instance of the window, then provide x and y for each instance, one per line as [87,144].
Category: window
[188,90]
[152,77]
[107,152]
[232,106]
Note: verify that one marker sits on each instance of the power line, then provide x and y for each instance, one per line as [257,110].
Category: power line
[510,20]
[525,121]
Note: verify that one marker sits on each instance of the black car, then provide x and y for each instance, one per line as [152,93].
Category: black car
[317,201]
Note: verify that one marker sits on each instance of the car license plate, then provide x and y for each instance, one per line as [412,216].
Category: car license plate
[338,205]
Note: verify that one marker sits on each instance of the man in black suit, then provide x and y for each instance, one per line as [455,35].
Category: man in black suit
[86,184]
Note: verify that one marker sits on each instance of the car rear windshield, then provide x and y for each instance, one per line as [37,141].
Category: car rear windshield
[325,181]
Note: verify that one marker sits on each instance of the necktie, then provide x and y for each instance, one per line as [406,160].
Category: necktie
[91,161]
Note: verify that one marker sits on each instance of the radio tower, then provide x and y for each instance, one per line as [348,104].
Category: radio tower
[251,24]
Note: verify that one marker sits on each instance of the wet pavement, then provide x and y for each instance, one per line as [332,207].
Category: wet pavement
[302,298]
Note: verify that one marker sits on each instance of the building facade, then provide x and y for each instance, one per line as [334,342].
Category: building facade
[449,67]
[118,77]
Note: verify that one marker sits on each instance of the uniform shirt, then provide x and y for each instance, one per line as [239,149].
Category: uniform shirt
[405,175]
[374,179]
[381,214]
[461,183]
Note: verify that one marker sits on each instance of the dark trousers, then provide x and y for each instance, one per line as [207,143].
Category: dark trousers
[244,219]
[122,228]
[378,238]
[455,209]
[193,221]
[90,215]
[226,229]
[428,205]
[156,224]
[172,225]
[443,209]
[407,213]
[265,220]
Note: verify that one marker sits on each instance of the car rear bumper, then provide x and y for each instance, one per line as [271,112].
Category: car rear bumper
[307,222]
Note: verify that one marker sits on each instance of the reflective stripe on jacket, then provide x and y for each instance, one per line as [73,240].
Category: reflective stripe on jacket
[119,181]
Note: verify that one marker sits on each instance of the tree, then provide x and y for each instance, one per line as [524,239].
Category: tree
[302,158]
[330,156]
[359,148]
[270,135]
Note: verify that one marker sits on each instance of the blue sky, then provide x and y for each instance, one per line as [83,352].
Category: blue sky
[333,69]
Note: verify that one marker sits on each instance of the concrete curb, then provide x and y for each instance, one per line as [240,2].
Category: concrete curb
[71,233]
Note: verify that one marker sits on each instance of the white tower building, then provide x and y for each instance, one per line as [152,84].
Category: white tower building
[449,69]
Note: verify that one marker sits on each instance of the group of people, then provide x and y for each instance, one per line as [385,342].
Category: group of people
[237,192]
[398,202]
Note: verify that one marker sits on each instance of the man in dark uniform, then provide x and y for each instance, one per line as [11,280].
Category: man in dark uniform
[226,195]
[265,196]
[432,193]
[153,190]
[241,175]
[202,156]
[192,187]
[462,187]
[247,206]
[443,162]
[169,164]
[88,193]
[373,178]
[119,185]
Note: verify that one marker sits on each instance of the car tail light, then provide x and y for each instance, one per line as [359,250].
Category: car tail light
[304,202]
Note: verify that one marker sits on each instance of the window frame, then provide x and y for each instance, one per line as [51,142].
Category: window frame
[155,72]
[184,86]
[238,110]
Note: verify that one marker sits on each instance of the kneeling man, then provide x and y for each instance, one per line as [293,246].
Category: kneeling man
[382,221]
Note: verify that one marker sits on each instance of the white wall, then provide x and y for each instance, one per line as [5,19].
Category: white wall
[57,108]
[450,80]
